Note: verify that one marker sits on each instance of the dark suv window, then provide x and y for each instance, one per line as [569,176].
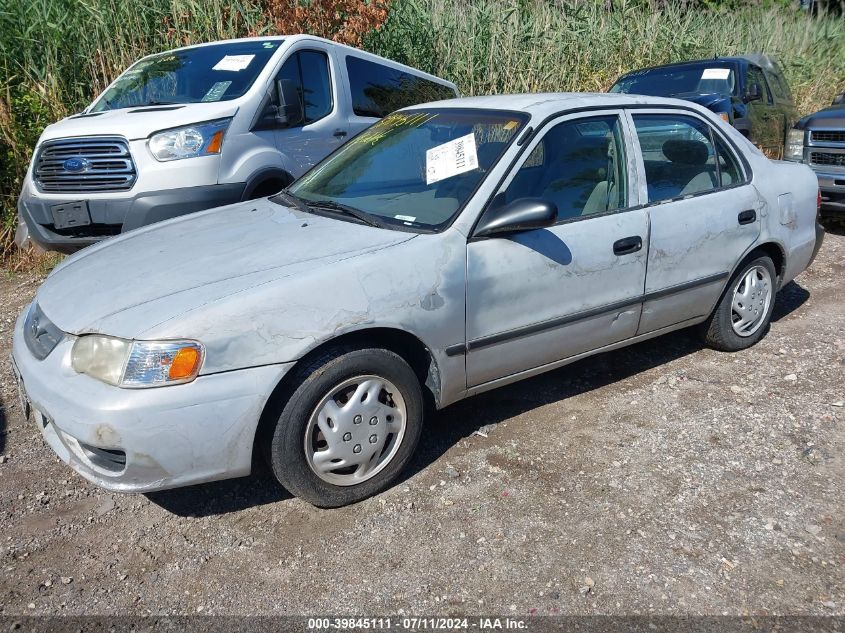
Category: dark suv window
[579,165]
[309,72]
[755,76]
[378,90]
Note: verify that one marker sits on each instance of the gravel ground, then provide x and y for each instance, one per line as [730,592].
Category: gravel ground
[660,479]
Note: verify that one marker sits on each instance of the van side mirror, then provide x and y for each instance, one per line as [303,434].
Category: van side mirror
[523,214]
[754,93]
[281,109]
[290,113]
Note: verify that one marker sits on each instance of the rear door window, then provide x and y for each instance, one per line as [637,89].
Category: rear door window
[378,90]
[678,155]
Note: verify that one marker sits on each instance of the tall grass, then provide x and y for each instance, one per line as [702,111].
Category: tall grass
[56,55]
[491,46]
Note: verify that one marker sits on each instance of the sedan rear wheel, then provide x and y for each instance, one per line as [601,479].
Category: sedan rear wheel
[742,316]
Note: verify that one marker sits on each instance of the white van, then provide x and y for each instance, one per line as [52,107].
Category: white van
[204,126]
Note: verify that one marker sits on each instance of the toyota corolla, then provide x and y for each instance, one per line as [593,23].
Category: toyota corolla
[449,249]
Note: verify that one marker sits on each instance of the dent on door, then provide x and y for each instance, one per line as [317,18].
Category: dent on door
[542,296]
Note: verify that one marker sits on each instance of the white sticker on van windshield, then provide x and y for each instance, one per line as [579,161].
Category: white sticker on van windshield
[233,62]
[216,92]
[450,159]
[716,73]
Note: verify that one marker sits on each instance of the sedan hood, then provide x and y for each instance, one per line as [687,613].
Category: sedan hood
[212,254]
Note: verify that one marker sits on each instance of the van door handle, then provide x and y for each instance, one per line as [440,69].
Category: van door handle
[747,217]
[340,133]
[627,245]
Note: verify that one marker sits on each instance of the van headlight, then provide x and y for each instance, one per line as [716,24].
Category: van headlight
[794,145]
[136,364]
[189,141]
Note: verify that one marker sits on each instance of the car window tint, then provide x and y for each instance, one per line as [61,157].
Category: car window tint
[729,170]
[578,165]
[678,155]
[309,72]
[378,90]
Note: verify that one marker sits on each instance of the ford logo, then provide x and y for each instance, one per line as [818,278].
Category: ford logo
[76,164]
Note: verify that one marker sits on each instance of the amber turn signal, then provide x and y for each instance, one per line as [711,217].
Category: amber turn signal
[185,363]
[215,143]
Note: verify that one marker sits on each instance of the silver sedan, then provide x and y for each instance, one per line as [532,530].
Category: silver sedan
[451,248]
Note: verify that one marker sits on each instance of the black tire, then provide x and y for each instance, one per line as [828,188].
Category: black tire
[718,331]
[314,381]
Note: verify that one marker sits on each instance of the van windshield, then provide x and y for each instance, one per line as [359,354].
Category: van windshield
[414,168]
[673,81]
[217,72]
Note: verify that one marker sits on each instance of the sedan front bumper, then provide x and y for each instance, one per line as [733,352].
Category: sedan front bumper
[141,440]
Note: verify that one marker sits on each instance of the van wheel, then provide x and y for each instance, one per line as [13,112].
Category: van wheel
[742,316]
[349,428]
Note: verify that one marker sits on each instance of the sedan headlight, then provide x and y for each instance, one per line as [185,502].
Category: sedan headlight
[794,145]
[136,364]
[202,139]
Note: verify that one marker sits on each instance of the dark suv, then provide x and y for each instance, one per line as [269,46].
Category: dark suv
[819,140]
[748,91]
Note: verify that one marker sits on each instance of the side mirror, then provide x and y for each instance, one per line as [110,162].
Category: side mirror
[839,99]
[754,93]
[523,214]
[290,112]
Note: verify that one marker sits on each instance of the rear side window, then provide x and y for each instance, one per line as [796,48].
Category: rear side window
[678,154]
[309,72]
[729,171]
[378,90]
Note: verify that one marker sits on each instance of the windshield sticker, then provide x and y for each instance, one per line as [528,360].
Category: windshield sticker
[716,73]
[511,125]
[406,218]
[217,91]
[233,62]
[450,159]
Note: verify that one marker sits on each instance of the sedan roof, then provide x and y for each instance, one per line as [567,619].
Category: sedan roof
[541,105]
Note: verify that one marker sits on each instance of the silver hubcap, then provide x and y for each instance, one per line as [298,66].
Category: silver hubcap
[356,430]
[751,300]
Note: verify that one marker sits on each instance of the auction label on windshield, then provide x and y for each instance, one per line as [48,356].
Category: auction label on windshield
[716,73]
[233,62]
[450,159]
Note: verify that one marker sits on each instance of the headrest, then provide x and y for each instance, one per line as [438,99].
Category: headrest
[686,152]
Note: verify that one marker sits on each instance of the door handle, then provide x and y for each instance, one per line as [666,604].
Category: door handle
[340,133]
[627,245]
[747,217]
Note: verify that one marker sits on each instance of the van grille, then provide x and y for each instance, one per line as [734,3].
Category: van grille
[828,159]
[827,136]
[103,164]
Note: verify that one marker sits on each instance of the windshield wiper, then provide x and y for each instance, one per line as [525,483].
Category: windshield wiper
[363,216]
[153,102]
[293,199]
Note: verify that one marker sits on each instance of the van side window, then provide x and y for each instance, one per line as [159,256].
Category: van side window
[309,72]
[378,90]
[678,155]
[579,165]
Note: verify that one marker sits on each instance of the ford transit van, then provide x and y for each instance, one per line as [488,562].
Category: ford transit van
[205,126]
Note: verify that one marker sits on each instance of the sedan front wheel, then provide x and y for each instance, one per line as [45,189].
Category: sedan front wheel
[349,428]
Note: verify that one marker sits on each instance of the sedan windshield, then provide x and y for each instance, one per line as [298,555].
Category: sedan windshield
[672,81]
[218,72]
[415,168]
